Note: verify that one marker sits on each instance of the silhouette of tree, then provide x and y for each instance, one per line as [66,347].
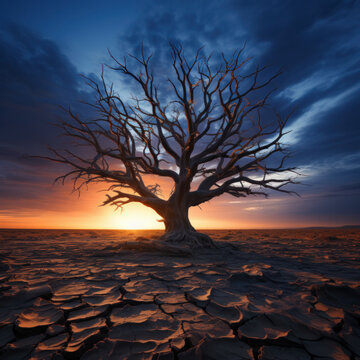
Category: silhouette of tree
[212,138]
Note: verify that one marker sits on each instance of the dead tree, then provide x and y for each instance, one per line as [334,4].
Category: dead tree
[210,139]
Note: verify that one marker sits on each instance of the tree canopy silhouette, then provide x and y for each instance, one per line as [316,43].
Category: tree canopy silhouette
[208,133]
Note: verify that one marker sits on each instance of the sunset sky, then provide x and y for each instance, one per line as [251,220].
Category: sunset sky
[46,45]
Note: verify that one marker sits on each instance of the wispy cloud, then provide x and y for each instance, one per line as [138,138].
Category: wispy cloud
[316,113]
[319,81]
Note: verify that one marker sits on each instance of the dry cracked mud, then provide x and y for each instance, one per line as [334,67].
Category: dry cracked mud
[264,295]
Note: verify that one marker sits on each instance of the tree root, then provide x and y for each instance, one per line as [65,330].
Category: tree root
[175,243]
[188,239]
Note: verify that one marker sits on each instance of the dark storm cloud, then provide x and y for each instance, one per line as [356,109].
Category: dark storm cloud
[317,44]
[36,78]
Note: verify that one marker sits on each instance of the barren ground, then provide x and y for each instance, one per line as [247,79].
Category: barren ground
[284,294]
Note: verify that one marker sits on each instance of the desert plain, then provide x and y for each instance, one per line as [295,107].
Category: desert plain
[261,294]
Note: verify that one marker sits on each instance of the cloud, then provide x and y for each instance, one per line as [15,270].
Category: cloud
[36,79]
[318,82]
[252,208]
[315,113]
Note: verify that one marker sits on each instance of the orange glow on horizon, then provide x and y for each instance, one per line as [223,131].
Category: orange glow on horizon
[59,209]
[139,217]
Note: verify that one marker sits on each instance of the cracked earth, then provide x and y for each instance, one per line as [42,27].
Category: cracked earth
[284,294]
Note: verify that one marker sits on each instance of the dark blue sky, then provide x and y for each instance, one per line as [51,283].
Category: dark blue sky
[45,45]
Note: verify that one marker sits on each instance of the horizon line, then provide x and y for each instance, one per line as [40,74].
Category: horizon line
[203,229]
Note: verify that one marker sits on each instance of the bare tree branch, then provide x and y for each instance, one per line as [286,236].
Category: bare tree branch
[214,137]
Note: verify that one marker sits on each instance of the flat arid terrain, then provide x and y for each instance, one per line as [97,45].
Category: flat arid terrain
[276,294]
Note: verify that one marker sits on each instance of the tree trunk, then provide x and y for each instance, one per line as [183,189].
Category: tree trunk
[179,231]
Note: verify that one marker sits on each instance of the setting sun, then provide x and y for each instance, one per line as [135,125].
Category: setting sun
[135,217]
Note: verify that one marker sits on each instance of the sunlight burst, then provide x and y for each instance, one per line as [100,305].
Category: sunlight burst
[135,217]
